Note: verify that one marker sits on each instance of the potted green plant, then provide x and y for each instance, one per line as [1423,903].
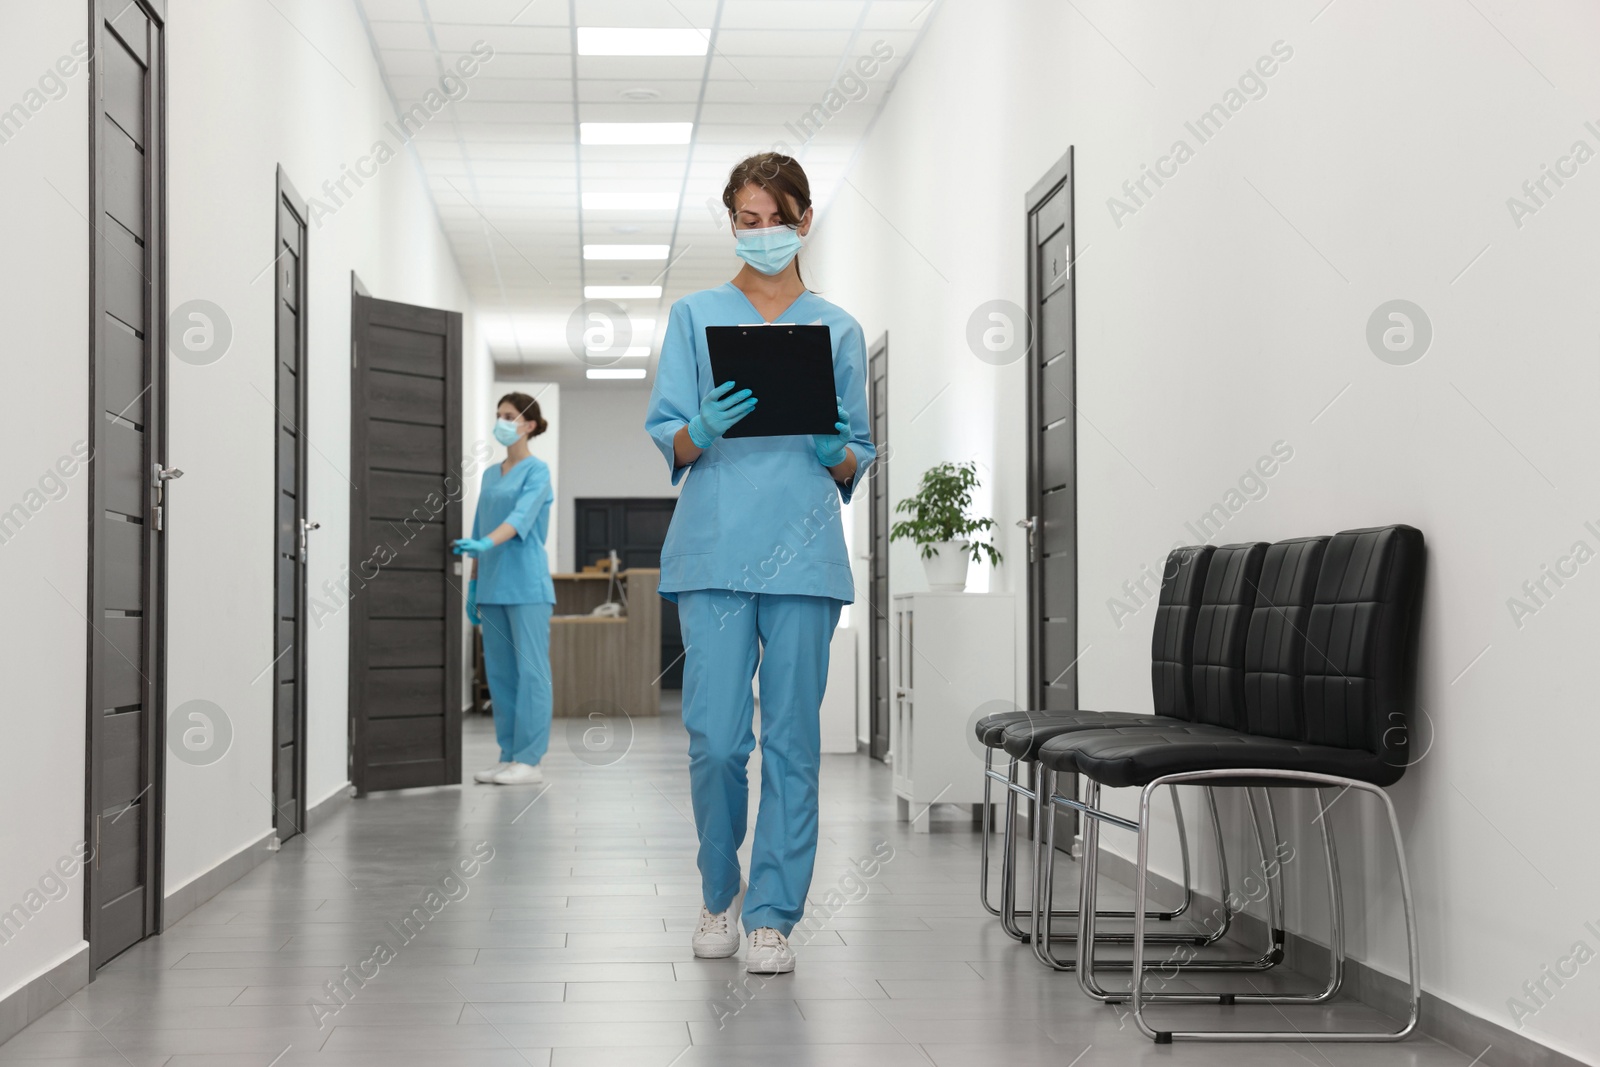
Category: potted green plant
[941,525]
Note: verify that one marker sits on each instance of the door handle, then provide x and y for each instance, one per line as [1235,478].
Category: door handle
[305,528]
[1031,524]
[159,476]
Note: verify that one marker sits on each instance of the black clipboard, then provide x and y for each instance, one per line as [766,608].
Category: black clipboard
[787,367]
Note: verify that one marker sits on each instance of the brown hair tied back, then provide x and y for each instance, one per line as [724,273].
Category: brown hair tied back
[528,408]
[778,174]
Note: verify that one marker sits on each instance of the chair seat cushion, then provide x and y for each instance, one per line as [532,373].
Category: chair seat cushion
[991,729]
[1130,756]
[1021,740]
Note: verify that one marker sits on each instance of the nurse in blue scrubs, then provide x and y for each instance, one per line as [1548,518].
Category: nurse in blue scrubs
[755,558]
[510,594]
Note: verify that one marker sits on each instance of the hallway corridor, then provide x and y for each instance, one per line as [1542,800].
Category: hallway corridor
[571,946]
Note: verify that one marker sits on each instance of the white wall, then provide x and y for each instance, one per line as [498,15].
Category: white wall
[313,103]
[604,453]
[43,569]
[1228,313]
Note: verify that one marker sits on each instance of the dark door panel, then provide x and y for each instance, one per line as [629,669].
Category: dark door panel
[635,527]
[406,398]
[878,554]
[128,505]
[1052,452]
[392,495]
[405,447]
[398,594]
[406,624]
[292,543]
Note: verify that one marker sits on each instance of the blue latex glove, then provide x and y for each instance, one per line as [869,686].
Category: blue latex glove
[718,412]
[472,603]
[830,448]
[466,546]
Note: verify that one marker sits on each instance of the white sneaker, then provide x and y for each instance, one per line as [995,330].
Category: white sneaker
[769,953]
[714,935]
[486,776]
[519,774]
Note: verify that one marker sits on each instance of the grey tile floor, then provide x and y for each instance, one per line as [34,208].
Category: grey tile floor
[571,947]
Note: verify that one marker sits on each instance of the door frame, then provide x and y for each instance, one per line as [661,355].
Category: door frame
[154,655]
[877,679]
[288,196]
[1059,175]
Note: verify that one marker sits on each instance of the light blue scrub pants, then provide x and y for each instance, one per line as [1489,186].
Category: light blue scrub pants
[516,657]
[721,629]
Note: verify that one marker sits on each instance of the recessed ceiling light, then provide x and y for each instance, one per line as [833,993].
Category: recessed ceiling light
[645,41]
[615,372]
[635,132]
[621,292]
[640,93]
[635,352]
[626,251]
[630,201]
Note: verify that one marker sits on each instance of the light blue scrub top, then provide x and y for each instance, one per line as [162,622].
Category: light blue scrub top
[758,514]
[516,572]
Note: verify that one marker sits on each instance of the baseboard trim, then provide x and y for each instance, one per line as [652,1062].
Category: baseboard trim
[1444,1022]
[325,809]
[33,998]
[189,896]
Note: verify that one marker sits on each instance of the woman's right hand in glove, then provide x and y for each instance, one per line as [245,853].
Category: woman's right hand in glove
[718,412]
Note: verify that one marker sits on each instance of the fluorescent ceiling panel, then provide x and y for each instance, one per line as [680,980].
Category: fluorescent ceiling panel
[615,372]
[621,292]
[630,201]
[626,251]
[635,132]
[641,41]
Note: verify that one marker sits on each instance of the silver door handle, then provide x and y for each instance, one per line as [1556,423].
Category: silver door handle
[306,528]
[1031,524]
[159,476]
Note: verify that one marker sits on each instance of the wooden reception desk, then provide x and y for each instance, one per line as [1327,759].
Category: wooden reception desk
[612,660]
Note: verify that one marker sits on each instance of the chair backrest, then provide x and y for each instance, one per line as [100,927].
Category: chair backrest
[1183,581]
[1359,641]
[1221,624]
[1275,651]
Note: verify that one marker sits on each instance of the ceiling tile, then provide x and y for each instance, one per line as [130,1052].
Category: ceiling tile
[505,170]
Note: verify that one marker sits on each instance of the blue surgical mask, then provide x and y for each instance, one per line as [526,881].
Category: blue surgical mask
[506,432]
[769,250]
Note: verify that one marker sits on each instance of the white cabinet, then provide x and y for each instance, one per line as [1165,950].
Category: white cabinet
[955,653]
[838,712]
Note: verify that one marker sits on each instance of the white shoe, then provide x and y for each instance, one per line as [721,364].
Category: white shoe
[486,776]
[769,953]
[519,774]
[714,935]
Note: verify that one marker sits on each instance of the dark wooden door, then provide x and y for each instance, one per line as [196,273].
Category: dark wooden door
[405,506]
[878,551]
[1052,444]
[289,669]
[129,484]
[636,528]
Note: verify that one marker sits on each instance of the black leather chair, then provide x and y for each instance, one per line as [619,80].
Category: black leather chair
[1325,702]
[1172,650]
[1214,668]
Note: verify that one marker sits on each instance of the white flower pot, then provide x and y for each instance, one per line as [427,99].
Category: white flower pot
[947,568]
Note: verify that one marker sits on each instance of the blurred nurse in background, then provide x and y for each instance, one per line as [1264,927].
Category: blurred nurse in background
[510,594]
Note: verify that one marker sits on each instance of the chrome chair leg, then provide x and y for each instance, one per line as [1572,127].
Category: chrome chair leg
[1008,860]
[988,817]
[1140,998]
